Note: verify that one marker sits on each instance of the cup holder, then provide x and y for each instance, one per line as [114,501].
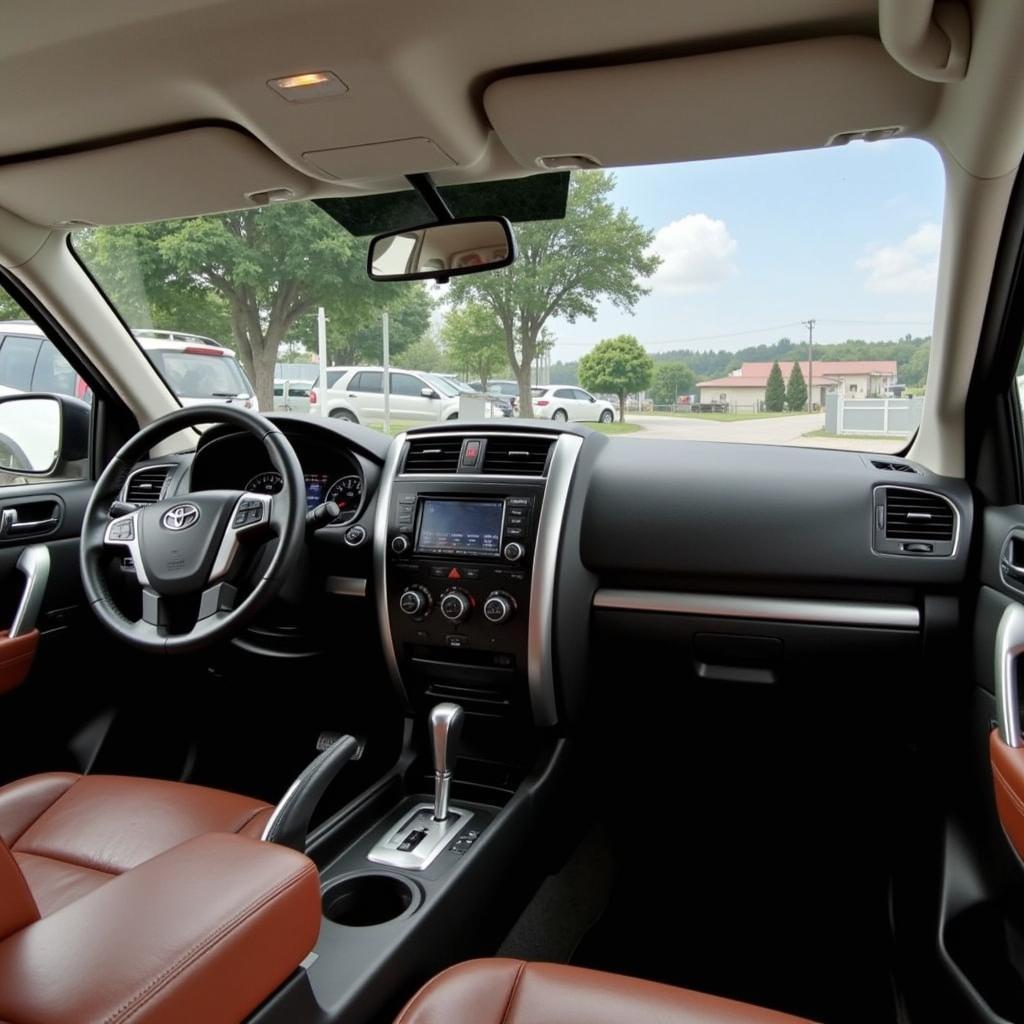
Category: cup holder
[359,901]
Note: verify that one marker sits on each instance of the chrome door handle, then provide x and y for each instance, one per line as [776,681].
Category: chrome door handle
[39,524]
[1009,648]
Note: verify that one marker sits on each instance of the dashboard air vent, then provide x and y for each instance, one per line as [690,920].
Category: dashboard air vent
[893,467]
[909,521]
[145,486]
[918,515]
[433,455]
[517,456]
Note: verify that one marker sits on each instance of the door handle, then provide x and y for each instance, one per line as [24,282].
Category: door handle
[11,526]
[1009,648]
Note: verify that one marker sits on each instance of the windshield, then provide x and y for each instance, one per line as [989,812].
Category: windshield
[780,299]
[445,386]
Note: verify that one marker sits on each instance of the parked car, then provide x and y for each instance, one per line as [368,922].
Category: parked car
[556,402]
[197,368]
[357,395]
[501,406]
[507,389]
[292,395]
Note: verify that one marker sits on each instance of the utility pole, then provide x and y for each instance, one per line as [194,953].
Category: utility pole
[321,355]
[386,376]
[809,324]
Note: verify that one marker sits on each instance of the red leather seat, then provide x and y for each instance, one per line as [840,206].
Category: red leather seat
[70,834]
[127,899]
[515,992]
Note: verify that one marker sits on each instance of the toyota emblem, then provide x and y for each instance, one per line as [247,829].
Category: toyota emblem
[181,517]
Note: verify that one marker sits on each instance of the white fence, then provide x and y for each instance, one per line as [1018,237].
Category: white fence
[887,417]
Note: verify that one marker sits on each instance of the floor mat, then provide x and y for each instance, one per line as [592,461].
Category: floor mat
[566,906]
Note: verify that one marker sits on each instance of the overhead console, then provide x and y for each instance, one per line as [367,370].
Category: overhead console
[466,542]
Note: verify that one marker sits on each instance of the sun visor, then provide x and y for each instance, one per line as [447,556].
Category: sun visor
[764,99]
[535,197]
[177,174]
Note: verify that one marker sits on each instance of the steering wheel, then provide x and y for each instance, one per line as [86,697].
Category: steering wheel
[186,549]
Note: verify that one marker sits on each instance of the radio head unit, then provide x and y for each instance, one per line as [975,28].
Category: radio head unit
[459,526]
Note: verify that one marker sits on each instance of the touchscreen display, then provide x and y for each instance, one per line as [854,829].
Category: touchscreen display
[460,527]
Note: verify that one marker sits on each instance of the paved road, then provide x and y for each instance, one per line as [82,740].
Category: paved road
[773,430]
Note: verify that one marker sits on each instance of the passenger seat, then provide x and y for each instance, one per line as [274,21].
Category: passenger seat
[515,992]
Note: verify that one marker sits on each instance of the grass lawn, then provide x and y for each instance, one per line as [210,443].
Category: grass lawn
[726,417]
[853,437]
[615,428]
[604,428]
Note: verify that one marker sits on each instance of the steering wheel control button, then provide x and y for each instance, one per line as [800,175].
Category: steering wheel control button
[456,606]
[499,607]
[513,552]
[354,536]
[123,530]
[400,545]
[415,602]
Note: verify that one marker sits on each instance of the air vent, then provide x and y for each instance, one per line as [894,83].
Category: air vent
[145,486]
[913,522]
[517,456]
[893,467]
[433,455]
[918,515]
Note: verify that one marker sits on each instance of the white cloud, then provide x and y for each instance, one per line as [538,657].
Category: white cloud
[696,252]
[908,266]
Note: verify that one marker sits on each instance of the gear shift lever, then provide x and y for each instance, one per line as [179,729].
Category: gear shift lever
[445,728]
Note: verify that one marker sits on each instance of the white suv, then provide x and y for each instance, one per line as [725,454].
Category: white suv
[561,402]
[356,394]
[197,369]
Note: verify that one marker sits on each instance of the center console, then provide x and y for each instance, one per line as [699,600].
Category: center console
[466,540]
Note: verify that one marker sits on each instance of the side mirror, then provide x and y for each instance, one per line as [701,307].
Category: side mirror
[466,245]
[40,433]
[592,399]
[429,393]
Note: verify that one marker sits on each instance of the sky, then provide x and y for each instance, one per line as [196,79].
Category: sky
[751,246]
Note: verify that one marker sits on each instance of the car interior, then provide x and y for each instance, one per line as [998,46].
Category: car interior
[505,722]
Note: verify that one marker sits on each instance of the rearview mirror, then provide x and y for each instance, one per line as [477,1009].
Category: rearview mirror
[440,251]
[40,432]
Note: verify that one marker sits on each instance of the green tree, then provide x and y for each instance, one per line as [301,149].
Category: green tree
[775,390]
[258,271]
[425,355]
[474,341]
[617,365]
[564,268]
[670,381]
[796,390]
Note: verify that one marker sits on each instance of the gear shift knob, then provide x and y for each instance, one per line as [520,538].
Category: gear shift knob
[445,727]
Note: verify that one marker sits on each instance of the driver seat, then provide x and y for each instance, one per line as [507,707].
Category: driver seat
[70,834]
[134,901]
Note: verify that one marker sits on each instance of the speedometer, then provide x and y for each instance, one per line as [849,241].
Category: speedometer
[265,483]
[347,493]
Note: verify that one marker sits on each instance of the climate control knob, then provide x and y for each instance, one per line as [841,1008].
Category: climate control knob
[499,607]
[456,605]
[513,551]
[400,545]
[415,602]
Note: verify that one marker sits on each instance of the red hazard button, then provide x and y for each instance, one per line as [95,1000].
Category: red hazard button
[455,575]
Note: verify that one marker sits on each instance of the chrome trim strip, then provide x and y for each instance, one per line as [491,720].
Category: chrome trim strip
[380,559]
[346,586]
[923,490]
[169,466]
[832,613]
[1009,648]
[34,565]
[540,642]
